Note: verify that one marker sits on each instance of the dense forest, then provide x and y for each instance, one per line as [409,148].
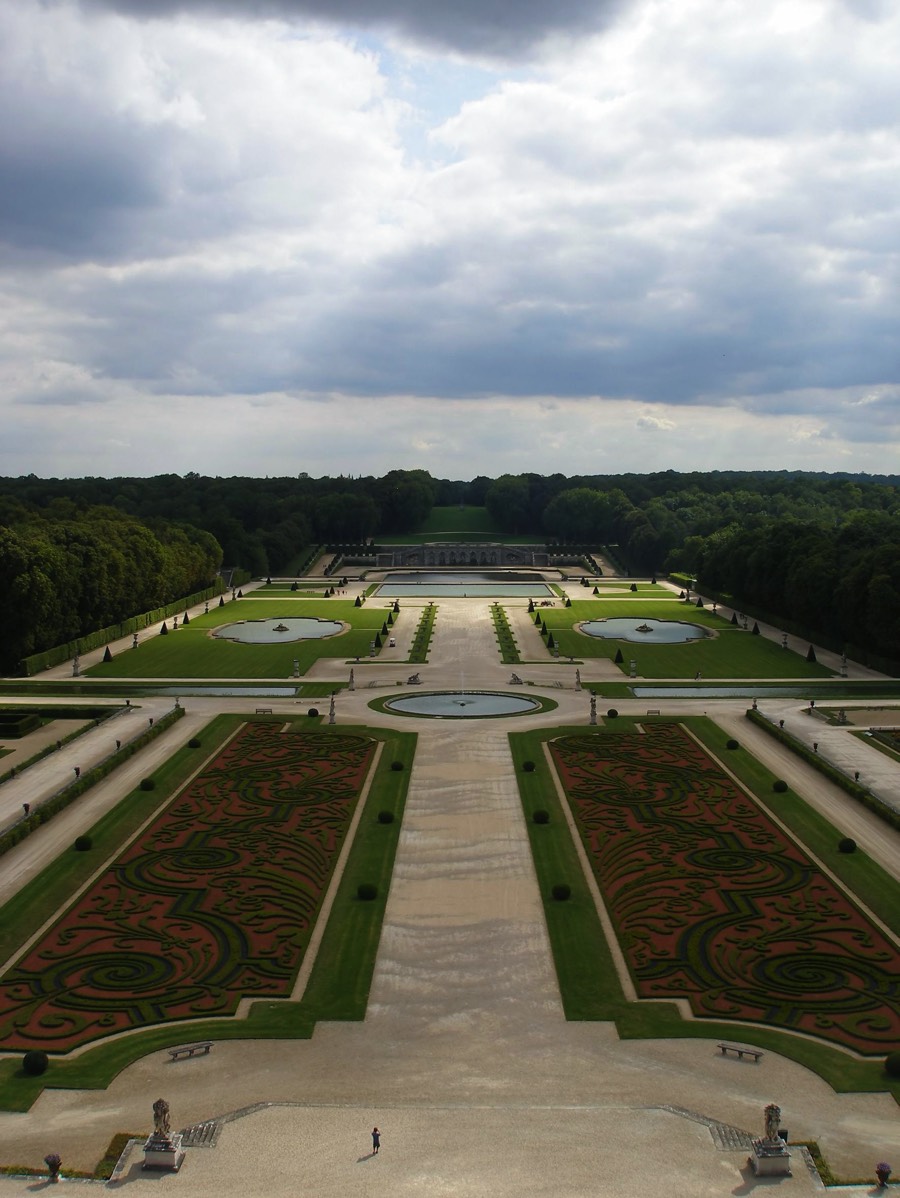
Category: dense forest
[821,552]
[66,572]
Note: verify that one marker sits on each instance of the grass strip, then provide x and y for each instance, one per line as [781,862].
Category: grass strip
[418,653]
[509,650]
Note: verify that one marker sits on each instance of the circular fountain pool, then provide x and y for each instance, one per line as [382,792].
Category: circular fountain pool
[653,632]
[464,705]
[270,632]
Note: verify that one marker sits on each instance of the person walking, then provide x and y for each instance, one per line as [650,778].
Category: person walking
[376,1141]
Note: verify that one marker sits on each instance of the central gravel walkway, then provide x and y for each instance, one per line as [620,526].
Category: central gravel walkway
[464,929]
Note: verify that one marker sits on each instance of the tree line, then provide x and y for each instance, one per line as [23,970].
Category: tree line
[816,549]
[64,573]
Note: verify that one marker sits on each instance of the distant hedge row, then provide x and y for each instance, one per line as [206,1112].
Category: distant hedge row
[60,801]
[93,640]
[838,777]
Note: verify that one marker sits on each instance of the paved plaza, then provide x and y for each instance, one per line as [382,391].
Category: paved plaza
[464,1060]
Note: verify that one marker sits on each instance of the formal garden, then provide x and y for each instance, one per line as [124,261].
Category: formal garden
[711,882]
[728,651]
[192,651]
[213,892]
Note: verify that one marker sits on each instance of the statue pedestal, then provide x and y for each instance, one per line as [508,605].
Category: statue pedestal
[163,1152]
[770,1158]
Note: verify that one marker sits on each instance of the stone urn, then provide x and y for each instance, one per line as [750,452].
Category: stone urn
[53,1161]
[883,1173]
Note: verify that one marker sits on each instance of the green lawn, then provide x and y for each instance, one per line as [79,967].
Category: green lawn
[732,653]
[192,653]
[461,524]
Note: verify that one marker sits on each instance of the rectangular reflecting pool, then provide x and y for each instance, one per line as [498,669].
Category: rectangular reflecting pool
[471,584]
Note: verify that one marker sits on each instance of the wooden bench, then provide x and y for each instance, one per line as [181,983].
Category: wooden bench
[264,711]
[191,1050]
[741,1052]
[652,711]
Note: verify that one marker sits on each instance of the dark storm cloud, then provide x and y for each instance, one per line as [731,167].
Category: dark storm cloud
[502,28]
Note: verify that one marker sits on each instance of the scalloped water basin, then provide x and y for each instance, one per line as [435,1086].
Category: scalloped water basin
[463,705]
[653,632]
[280,630]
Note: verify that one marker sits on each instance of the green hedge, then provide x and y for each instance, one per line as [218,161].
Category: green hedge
[509,651]
[14,727]
[854,789]
[103,636]
[61,800]
[60,713]
[422,639]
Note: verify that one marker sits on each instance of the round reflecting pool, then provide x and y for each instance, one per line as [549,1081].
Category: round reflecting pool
[463,705]
[652,632]
[286,629]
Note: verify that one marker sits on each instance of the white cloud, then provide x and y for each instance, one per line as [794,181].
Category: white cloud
[691,212]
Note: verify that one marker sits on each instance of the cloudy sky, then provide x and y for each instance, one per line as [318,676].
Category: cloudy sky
[473,236]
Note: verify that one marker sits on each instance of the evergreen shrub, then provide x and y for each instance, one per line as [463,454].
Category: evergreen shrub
[35,1062]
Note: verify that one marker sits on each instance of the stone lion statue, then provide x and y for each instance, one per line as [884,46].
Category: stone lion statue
[161,1117]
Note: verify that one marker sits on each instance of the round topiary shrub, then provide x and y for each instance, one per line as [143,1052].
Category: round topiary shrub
[194,742]
[366,891]
[732,744]
[779,786]
[35,1062]
[612,713]
[892,1064]
[528,767]
[561,891]
[83,843]
[385,817]
[147,784]
[313,712]
[847,845]
[396,766]
[541,817]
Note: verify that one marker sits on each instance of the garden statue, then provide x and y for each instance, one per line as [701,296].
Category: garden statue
[162,1149]
[161,1126]
[771,1156]
[773,1122]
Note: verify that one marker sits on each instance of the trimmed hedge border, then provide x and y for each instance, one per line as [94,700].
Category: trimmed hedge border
[61,800]
[506,642]
[103,636]
[853,789]
[418,654]
[96,714]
